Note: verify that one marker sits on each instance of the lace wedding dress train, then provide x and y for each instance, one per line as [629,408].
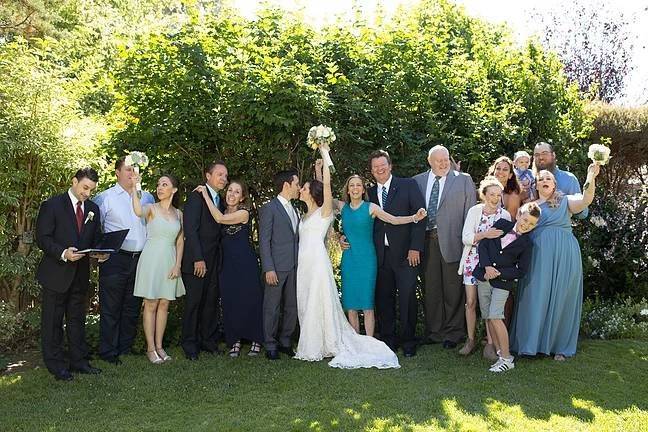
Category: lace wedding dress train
[324,329]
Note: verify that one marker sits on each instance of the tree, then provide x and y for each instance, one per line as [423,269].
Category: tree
[594,42]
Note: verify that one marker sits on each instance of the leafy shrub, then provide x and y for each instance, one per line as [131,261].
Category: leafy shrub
[615,319]
[614,246]
[18,330]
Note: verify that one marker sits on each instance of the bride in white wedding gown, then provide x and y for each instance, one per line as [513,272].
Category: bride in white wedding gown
[324,329]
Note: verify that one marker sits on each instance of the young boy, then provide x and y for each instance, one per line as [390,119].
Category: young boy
[502,261]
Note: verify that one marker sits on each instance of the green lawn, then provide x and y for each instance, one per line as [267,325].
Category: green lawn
[603,388]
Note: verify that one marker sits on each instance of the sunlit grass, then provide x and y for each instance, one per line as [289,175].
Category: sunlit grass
[602,389]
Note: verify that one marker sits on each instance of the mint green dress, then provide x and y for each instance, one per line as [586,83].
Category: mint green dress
[156,261]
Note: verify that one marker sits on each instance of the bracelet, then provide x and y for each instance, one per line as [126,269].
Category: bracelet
[414,219]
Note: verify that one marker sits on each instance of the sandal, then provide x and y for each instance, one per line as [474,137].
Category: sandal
[255,349]
[163,355]
[154,357]
[236,350]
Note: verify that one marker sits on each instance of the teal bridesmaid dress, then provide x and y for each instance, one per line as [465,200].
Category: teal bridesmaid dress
[359,265]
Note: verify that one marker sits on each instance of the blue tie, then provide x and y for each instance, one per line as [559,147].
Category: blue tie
[216,200]
[433,203]
[384,196]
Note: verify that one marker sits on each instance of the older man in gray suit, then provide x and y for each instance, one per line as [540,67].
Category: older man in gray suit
[278,244]
[448,194]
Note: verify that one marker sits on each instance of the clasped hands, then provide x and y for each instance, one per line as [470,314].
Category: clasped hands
[491,273]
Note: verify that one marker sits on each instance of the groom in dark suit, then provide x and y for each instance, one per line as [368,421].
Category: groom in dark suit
[67,223]
[399,249]
[278,246]
[200,266]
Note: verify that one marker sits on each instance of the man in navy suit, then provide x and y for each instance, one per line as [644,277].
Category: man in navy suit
[200,263]
[398,248]
[66,224]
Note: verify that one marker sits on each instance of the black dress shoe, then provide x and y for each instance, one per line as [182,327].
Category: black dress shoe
[191,357]
[447,344]
[409,351]
[272,354]
[286,350]
[87,369]
[114,360]
[63,375]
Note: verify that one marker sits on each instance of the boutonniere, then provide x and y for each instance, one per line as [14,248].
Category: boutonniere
[90,217]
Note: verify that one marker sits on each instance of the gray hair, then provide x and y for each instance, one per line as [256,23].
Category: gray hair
[438,148]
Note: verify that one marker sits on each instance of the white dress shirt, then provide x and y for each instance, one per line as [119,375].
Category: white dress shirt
[379,190]
[430,183]
[290,210]
[116,207]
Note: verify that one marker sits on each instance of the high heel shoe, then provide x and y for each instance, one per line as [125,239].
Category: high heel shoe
[255,349]
[154,357]
[236,350]
[163,355]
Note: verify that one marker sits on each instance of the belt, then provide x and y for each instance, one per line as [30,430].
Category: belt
[129,253]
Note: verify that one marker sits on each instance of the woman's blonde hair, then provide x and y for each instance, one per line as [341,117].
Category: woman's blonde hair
[556,197]
[486,183]
[345,191]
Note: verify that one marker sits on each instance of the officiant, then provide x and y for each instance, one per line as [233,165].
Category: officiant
[119,308]
[66,224]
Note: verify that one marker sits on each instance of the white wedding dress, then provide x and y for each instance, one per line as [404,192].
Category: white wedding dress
[324,329]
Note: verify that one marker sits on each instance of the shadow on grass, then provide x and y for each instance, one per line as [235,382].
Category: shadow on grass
[436,390]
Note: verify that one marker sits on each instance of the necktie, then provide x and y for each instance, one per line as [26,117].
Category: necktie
[291,213]
[384,196]
[79,216]
[217,200]
[433,203]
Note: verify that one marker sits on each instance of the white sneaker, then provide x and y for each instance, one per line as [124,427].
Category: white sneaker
[497,363]
[503,366]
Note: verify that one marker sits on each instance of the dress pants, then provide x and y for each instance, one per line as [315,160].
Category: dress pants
[280,311]
[444,295]
[200,323]
[119,308]
[396,277]
[72,305]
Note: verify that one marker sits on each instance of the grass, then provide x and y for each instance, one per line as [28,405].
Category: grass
[602,389]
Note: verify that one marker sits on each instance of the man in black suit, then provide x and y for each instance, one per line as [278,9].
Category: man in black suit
[67,223]
[200,266]
[398,248]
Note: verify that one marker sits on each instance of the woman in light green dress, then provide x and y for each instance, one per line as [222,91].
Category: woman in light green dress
[158,278]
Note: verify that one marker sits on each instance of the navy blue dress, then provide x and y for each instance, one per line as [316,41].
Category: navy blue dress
[240,285]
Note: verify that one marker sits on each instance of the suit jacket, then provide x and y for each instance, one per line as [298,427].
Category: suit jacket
[278,243]
[56,230]
[512,262]
[457,197]
[403,199]
[202,234]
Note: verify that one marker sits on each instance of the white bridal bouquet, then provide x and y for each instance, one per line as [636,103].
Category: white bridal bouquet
[599,154]
[138,160]
[318,135]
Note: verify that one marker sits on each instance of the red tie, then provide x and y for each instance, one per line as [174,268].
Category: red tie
[79,215]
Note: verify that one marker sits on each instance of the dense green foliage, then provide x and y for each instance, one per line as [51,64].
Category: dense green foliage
[187,82]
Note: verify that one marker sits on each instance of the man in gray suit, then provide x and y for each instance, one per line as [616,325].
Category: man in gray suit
[448,194]
[278,244]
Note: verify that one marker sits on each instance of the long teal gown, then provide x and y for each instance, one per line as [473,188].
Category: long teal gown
[549,299]
[359,264]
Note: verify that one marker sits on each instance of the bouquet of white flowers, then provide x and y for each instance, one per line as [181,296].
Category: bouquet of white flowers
[322,135]
[599,154]
[138,160]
